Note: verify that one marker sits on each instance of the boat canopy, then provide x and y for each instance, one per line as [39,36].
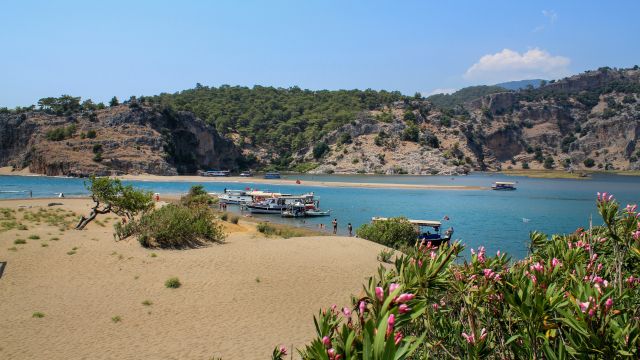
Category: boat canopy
[430,223]
[504,183]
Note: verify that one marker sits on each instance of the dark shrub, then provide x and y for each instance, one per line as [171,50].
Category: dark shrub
[589,162]
[197,196]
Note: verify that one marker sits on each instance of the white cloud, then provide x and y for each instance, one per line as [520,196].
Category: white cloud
[508,65]
[442,91]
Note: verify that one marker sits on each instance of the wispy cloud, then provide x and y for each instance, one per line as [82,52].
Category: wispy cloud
[508,65]
[550,16]
[442,91]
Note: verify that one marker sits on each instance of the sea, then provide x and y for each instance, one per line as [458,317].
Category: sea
[497,220]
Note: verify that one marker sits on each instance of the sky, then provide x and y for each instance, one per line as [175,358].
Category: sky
[99,49]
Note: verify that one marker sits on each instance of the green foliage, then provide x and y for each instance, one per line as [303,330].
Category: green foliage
[114,102]
[344,138]
[385,255]
[65,104]
[411,133]
[174,227]
[38,315]
[525,165]
[61,133]
[284,119]
[589,162]
[393,232]
[91,134]
[320,149]
[575,296]
[431,140]
[234,219]
[198,196]
[305,167]
[172,283]
[548,162]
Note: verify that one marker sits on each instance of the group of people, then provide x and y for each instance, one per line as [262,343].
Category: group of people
[334,223]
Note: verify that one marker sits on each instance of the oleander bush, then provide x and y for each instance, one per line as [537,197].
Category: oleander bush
[393,232]
[575,296]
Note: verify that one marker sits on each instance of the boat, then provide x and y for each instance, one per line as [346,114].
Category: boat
[293,210]
[427,231]
[316,213]
[246,196]
[503,185]
[272,175]
[246,174]
[275,205]
[216,173]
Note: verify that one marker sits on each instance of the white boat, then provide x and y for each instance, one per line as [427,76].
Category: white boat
[427,231]
[503,185]
[316,212]
[275,205]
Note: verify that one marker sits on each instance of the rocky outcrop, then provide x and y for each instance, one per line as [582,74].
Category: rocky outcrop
[128,140]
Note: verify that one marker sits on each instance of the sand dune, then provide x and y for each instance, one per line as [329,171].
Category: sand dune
[237,301]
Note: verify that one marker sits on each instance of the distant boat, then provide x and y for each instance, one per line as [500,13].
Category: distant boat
[503,185]
[246,174]
[525,220]
[272,175]
[316,213]
[216,173]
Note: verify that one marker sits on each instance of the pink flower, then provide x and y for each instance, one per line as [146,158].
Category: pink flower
[584,306]
[393,287]
[434,306]
[398,338]
[636,235]
[403,308]
[536,267]
[283,350]
[534,279]
[555,262]
[608,304]
[362,307]
[332,353]
[346,312]
[470,339]
[481,252]
[592,312]
[498,253]
[403,298]
[379,293]
[326,342]
[390,323]
[483,334]
[631,208]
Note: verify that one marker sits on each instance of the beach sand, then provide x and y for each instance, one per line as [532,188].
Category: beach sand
[237,300]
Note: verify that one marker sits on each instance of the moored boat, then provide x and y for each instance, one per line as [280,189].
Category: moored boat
[427,231]
[272,175]
[503,185]
[216,173]
[315,213]
[246,174]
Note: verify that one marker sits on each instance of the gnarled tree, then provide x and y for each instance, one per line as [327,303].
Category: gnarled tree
[110,196]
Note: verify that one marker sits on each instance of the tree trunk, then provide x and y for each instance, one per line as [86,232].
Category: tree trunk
[94,212]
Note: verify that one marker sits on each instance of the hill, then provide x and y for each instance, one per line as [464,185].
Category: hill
[586,121]
[521,84]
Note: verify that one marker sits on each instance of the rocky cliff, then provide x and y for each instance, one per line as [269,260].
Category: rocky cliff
[117,140]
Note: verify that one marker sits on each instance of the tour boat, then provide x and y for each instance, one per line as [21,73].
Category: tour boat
[246,196]
[293,210]
[427,231]
[272,175]
[503,185]
[216,173]
[275,205]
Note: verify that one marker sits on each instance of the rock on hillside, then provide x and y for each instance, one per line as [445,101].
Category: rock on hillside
[127,140]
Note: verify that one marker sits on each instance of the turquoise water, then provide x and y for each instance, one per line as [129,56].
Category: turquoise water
[483,217]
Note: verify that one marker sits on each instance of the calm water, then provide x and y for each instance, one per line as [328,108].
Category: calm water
[490,218]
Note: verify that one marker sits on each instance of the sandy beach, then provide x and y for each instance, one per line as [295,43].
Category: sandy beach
[237,300]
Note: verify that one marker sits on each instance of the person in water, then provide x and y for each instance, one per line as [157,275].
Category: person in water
[350,228]
[335,226]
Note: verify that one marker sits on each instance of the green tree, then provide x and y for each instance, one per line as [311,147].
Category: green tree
[411,133]
[114,102]
[589,162]
[320,149]
[393,232]
[548,162]
[110,196]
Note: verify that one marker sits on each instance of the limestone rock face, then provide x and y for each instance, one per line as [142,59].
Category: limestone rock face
[128,141]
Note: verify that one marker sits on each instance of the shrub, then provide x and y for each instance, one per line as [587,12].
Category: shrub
[320,149]
[116,319]
[589,162]
[97,148]
[224,216]
[411,133]
[575,296]
[385,255]
[20,241]
[234,219]
[172,283]
[34,237]
[548,162]
[174,226]
[91,134]
[266,229]
[525,165]
[393,232]
[38,315]
[147,303]
[198,196]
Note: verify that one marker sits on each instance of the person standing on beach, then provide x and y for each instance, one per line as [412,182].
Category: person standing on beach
[335,226]
[350,228]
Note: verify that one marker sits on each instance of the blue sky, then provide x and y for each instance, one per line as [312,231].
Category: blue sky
[100,49]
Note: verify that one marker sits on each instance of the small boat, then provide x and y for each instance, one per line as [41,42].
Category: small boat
[275,205]
[216,173]
[314,213]
[503,185]
[272,175]
[427,231]
[246,174]
[293,210]
[235,197]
